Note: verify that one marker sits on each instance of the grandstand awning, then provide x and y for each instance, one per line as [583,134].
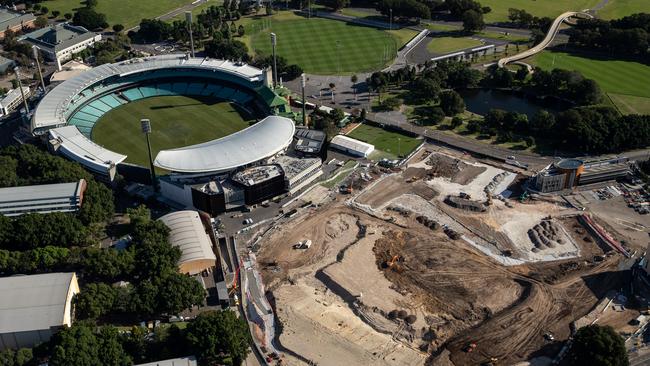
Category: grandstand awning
[262,140]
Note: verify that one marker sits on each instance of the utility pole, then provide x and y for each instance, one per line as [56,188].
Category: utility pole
[38,66]
[145,125]
[20,86]
[304,101]
[390,21]
[274,41]
[188,19]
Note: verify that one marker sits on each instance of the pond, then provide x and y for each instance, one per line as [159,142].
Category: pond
[480,101]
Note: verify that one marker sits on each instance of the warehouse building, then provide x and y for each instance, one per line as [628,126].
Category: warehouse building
[15,21]
[188,234]
[351,146]
[58,43]
[571,173]
[45,198]
[33,308]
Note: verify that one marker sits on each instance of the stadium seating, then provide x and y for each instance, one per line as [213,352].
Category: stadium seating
[195,89]
[148,91]
[179,88]
[165,89]
[133,94]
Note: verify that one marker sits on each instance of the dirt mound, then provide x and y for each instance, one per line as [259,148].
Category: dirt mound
[455,169]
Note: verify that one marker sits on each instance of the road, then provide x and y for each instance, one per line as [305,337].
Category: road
[550,36]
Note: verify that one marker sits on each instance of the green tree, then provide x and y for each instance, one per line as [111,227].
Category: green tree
[456,122]
[8,176]
[219,337]
[241,30]
[74,346]
[89,18]
[177,292]
[336,5]
[473,21]
[44,10]
[67,16]
[40,22]
[91,3]
[56,13]
[594,345]
[110,351]
[94,300]
[452,103]
[117,28]
[425,90]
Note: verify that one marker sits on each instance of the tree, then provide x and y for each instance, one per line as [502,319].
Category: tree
[456,122]
[20,357]
[95,300]
[227,49]
[110,350]
[594,345]
[40,22]
[44,10]
[74,346]
[392,103]
[117,28]
[336,5]
[241,31]
[452,103]
[67,16]
[91,3]
[56,13]
[269,9]
[8,176]
[354,80]
[425,90]
[154,30]
[89,18]
[219,337]
[473,21]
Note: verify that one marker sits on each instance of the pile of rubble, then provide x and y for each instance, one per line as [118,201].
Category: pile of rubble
[546,234]
[465,204]
[431,224]
[489,189]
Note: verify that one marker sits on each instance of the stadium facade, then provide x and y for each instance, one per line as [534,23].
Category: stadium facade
[199,175]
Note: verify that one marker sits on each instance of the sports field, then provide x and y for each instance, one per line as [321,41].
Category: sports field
[615,77]
[176,121]
[323,46]
[616,9]
[127,13]
[442,45]
[540,8]
[392,144]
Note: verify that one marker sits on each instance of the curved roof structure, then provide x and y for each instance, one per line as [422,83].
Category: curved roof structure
[52,109]
[188,234]
[264,139]
[75,146]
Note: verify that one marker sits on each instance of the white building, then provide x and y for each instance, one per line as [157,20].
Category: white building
[58,43]
[12,100]
[352,146]
[33,308]
[44,198]
[188,234]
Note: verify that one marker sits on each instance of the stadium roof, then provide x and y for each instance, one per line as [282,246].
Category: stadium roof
[50,112]
[257,142]
[188,234]
[77,147]
[352,144]
[33,302]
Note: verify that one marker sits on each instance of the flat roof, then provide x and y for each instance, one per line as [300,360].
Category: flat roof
[77,147]
[352,144]
[569,163]
[257,142]
[294,166]
[181,361]
[188,234]
[51,110]
[41,192]
[257,174]
[33,302]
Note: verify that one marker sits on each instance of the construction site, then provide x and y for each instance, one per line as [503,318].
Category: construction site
[444,260]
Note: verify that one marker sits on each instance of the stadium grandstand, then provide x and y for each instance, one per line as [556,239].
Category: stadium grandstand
[68,113]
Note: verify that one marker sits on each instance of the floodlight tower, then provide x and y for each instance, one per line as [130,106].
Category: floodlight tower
[304,101]
[38,65]
[188,19]
[145,125]
[274,41]
[20,86]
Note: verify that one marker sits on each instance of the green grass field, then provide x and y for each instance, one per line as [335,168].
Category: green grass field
[126,13]
[442,45]
[176,121]
[540,8]
[621,78]
[390,143]
[323,46]
[616,9]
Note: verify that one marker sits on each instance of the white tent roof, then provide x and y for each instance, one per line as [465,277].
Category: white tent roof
[257,142]
[187,233]
[352,144]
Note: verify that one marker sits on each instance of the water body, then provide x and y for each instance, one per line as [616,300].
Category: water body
[480,101]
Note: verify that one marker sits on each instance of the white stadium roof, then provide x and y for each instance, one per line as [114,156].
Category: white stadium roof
[259,141]
[51,109]
[79,148]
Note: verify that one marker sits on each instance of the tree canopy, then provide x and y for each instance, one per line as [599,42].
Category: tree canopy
[594,345]
[88,18]
[219,337]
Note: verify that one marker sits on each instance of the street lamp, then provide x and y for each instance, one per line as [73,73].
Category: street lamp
[390,20]
[304,101]
[20,86]
[274,41]
[38,66]
[188,19]
[145,125]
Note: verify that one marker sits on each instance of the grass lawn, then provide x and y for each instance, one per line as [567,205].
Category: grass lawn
[389,142]
[197,10]
[118,11]
[340,174]
[540,8]
[615,77]
[630,104]
[442,45]
[616,9]
[323,46]
[176,121]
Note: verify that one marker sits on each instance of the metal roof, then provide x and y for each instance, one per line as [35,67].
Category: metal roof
[58,37]
[352,144]
[50,112]
[181,361]
[33,302]
[187,233]
[264,139]
[41,192]
[77,147]
[10,18]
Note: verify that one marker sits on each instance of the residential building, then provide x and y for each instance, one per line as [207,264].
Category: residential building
[58,43]
[33,308]
[45,198]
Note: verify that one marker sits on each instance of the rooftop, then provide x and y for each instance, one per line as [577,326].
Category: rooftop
[352,144]
[294,166]
[569,163]
[58,37]
[12,95]
[33,302]
[10,18]
[181,361]
[254,175]
[309,141]
[79,148]
[187,233]
[41,192]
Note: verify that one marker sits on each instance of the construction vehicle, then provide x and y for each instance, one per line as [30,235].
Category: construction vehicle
[305,244]
[524,197]
[469,347]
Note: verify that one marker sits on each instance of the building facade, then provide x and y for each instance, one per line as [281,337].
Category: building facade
[15,21]
[12,100]
[58,43]
[45,198]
